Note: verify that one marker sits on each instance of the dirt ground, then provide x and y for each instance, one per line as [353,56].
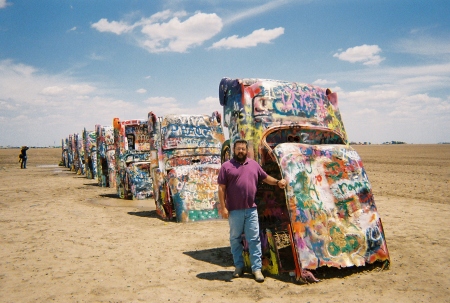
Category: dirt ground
[64,239]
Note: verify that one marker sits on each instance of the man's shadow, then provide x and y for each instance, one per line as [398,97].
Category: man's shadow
[220,256]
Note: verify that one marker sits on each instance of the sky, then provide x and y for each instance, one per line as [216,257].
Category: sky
[66,65]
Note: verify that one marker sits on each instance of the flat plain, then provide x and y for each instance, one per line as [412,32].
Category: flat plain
[64,239]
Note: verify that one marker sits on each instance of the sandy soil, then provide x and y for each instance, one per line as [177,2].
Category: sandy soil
[65,239]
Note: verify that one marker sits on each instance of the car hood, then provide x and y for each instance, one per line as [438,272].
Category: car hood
[194,191]
[332,211]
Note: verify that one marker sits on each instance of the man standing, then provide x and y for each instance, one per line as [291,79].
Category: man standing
[23,156]
[238,180]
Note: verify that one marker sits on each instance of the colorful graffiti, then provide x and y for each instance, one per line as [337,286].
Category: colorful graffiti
[332,209]
[185,160]
[253,105]
[79,147]
[76,147]
[132,154]
[327,215]
[71,151]
[106,167]
[90,153]
[65,153]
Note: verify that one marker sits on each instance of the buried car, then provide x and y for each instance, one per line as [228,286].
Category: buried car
[90,153]
[326,216]
[106,168]
[132,146]
[185,162]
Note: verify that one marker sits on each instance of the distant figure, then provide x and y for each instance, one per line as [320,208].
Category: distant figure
[23,157]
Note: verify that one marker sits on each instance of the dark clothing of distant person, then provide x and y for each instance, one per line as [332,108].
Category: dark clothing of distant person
[23,157]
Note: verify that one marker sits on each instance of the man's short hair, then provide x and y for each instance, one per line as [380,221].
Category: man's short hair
[240,141]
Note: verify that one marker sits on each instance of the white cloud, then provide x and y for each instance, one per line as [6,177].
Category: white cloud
[166,31]
[52,90]
[408,103]
[141,91]
[96,57]
[256,37]
[424,45]
[394,114]
[118,28]
[4,4]
[168,105]
[238,15]
[367,54]
[178,36]
[164,15]
[38,108]
[7,66]
[78,89]
[408,79]
[209,105]
[163,105]
[323,82]
[208,101]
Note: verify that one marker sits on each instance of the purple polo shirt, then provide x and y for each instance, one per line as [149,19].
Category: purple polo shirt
[241,181]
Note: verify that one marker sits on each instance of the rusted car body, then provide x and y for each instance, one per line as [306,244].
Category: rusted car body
[90,153]
[79,146]
[65,153]
[106,164]
[70,143]
[77,154]
[185,161]
[327,215]
[132,153]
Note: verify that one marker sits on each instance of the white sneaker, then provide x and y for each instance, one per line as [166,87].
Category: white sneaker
[258,276]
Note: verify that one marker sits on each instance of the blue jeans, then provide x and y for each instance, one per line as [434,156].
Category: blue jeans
[245,221]
[24,163]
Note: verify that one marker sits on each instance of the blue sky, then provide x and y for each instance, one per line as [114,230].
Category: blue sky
[66,65]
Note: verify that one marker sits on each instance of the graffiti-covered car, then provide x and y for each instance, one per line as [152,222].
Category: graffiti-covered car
[185,161]
[326,216]
[65,153]
[132,153]
[106,164]
[77,154]
[90,153]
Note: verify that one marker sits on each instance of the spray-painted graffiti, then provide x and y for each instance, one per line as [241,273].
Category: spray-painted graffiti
[65,153]
[106,168]
[188,131]
[332,210]
[327,213]
[77,154]
[139,181]
[132,147]
[81,156]
[185,160]
[252,105]
[72,150]
[90,153]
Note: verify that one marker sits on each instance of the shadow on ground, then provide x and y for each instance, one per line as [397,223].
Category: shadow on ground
[91,184]
[113,196]
[221,256]
[145,214]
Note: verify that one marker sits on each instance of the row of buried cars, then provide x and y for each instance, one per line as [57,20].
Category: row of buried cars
[325,217]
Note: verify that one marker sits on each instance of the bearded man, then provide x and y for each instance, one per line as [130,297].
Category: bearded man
[238,180]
